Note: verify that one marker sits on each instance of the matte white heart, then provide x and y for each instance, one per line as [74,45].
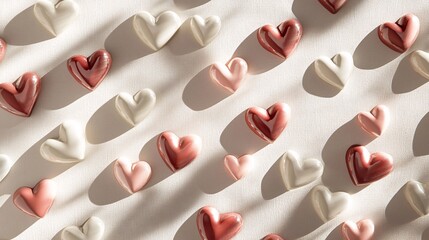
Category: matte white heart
[5,166]
[416,194]
[335,71]
[135,108]
[92,229]
[420,62]
[205,30]
[327,204]
[56,17]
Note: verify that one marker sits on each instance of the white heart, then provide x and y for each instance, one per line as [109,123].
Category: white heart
[416,194]
[70,146]
[5,166]
[335,71]
[296,172]
[155,33]
[420,63]
[135,108]
[327,204]
[55,17]
[92,229]
[205,30]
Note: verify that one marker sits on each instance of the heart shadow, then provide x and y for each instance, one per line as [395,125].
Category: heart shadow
[398,211]
[201,92]
[371,53]
[25,29]
[189,229]
[182,42]
[405,78]
[335,233]
[9,120]
[187,4]
[335,174]
[236,133]
[272,182]
[420,146]
[13,220]
[314,85]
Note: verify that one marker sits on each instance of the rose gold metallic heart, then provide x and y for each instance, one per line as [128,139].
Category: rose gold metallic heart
[214,226]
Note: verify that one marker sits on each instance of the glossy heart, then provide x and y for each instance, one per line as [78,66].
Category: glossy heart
[205,30]
[20,96]
[296,172]
[134,109]
[90,71]
[417,195]
[333,6]
[5,166]
[238,167]
[70,146]
[364,167]
[3,47]
[231,75]
[283,40]
[156,32]
[214,226]
[420,62]
[38,200]
[132,177]
[402,34]
[327,204]
[56,17]
[268,124]
[92,229]
[335,71]
[362,230]
[376,121]
[272,237]
[177,152]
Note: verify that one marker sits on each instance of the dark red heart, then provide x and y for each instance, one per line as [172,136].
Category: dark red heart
[3,47]
[333,6]
[214,226]
[20,96]
[364,167]
[282,40]
[90,71]
[402,34]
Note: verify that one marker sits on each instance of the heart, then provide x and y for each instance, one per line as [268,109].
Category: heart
[92,229]
[416,194]
[205,30]
[20,96]
[420,63]
[3,47]
[333,6]
[402,34]
[56,17]
[214,226]
[268,124]
[177,152]
[362,230]
[335,71]
[132,177]
[283,40]
[327,204]
[5,166]
[364,167]
[231,75]
[272,237]
[376,121]
[155,33]
[296,172]
[238,167]
[70,146]
[38,200]
[91,71]
[135,108]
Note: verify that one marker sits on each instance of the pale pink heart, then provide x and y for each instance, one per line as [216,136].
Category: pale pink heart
[362,230]
[376,121]
[231,75]
[132,177]
[238,167]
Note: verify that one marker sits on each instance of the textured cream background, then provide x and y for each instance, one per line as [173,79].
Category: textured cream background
[188,102]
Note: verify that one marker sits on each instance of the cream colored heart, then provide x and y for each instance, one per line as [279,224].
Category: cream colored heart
[135,108]
[296,172]
[5,166]
[56,17]
[156,32]
[417,195]
[335,71]
[92,229]
[205,30]
[70,146]
[420,62]
[327,204]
